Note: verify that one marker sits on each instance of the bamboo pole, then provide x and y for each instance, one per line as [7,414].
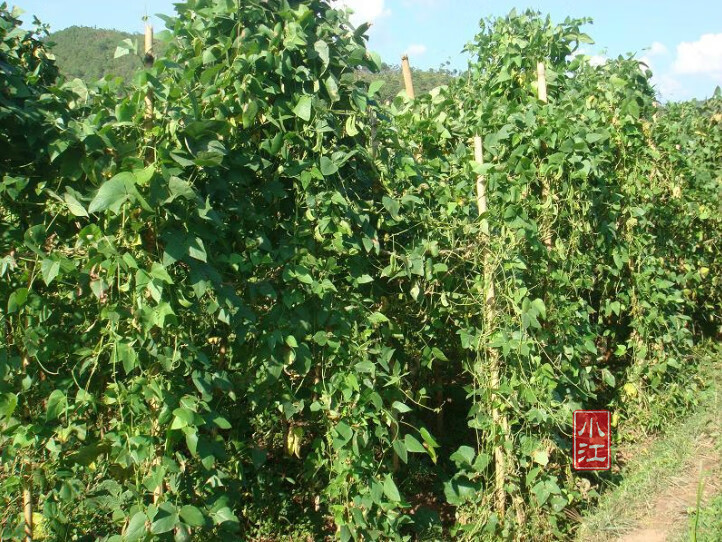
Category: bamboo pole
[28,509]
[408,80]
[541,74]
[494,369]
[148,61]
[542,93]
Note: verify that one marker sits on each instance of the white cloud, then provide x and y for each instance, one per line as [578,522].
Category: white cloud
[703,56]
[415,49]
[597,60]
[657,49]
[364,11]
[594,60]
[669,87]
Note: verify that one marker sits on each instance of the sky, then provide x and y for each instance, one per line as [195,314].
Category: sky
[681,41]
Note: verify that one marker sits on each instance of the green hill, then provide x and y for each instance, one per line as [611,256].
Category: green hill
[87,53]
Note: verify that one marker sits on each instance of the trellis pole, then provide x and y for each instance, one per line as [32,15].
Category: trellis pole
[408,80]
[542,93]
[28,507]
[148,61]
[541,75]
[499,419]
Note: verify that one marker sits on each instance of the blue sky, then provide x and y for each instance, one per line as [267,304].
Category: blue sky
[682,41]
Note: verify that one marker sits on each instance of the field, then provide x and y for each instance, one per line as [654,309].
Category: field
[243,297]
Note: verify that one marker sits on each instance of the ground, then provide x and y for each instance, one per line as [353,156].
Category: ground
[671,488]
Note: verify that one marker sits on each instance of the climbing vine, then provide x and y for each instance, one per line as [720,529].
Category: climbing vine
[276,307]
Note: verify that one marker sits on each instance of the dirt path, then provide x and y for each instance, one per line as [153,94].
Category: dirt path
[666,518]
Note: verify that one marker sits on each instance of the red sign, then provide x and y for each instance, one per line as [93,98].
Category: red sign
[592,450]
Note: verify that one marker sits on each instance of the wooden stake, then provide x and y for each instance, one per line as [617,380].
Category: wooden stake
[408,81]
[148,61]
[541,75]
[542,91]
[480,180]
[494,378]
[28,509]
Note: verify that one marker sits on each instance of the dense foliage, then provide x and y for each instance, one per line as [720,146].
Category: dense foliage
[90,54]
[274,308]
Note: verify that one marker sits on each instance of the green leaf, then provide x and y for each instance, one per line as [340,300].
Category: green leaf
[413,445]
[17,299]
[197,250]
[541,492]
[344,431]
[377,318]
[8,404]
[165,520]
[276,144]
[303,275]
[224,515]
[321,47]
[392,206]
[74,206]
[159,272]
[400,449]
[460,490]
[303,108]
[208,56]
[112,193]
[320,338]
[50,270]
[125,112]
[375,86]
[179,188]
[400,407]
[538,304]
[558,503]
[430,443]
[57,402]
[183,418]
[464,456]
[328,166]
[376,59]
[220,422]
[597,136]
[249,113]
[390,490]
[541,457]
[136,527]
[428,439]
[126,47]
[127,356]
[192,516]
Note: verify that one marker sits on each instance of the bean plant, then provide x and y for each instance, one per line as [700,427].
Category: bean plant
[241,298]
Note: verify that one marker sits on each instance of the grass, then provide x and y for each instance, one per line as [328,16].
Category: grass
[706,522]
[655,467]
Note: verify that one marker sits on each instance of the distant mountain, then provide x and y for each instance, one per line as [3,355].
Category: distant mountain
[87,53]
[424,80]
